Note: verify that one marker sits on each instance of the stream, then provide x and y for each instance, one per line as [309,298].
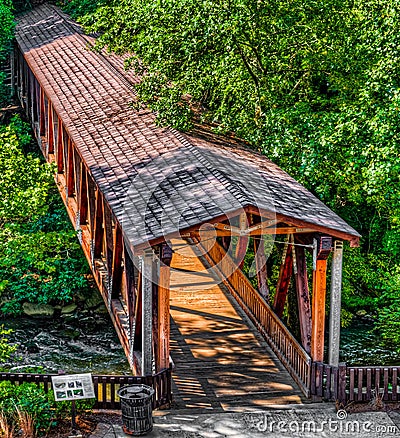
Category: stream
[87,342]
[73,343]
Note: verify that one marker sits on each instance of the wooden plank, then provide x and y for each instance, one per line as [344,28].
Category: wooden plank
[83,197]
[117,262]
[147,312]
[303,297]
[77,173]
[70,170]
[108,239]
[284,281]
[59,147]
[318,311]
[242,241]
[369,384]
[98,233]
[385,384]
[129,272]
[50,130]
[42,118]
[91,190]
[360,378]
[261,267]
[394,384]
[342,384]
[137,340]
[163,329]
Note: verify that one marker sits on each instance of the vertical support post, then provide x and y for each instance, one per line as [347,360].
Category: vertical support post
[147,312]
[261,267]
[318,311]
[303,297]
[42,120]
[336,292]
[163,307]
[242,242]
[284,280]
[12,62]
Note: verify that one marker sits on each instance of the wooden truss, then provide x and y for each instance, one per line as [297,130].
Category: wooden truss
[135,286]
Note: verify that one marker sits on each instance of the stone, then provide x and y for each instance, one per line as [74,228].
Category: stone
[38,310]
[70,308]
[93,300]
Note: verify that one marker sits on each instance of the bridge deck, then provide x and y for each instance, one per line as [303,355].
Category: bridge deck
[221,362]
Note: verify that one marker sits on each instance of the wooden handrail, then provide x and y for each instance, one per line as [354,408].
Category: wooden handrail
[355,383]
[106,386]
[285,346]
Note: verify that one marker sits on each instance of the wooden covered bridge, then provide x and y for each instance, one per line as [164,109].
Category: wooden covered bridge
[165,220]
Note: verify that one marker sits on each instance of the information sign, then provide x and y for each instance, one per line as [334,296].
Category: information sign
[73,386]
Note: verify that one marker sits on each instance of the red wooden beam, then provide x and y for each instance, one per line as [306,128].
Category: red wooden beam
[108,237]
[242,241]
[318,311]
[303,297]
[163,301]
[261,267]
[50,129]
[117,262]
[59,147]
[284,281]
[130,283]
[83,197]
[70,170]
[98,233]
[42,116]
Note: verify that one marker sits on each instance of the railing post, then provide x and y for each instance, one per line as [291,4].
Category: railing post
[147,313]
[334,317]
[341,392]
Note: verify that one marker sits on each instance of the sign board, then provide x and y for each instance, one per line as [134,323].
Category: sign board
[73,386]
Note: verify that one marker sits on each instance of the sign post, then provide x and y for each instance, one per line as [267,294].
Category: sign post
[73,387]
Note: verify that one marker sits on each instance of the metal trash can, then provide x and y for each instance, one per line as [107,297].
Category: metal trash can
[136,407]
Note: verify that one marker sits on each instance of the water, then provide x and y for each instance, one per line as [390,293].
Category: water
[361,346]
[87,342]
[76,343]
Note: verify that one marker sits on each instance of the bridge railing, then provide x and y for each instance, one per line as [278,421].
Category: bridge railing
[352,383]
[106,386]
[285,346]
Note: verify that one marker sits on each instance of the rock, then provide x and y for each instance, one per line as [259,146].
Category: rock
[32,347]
[70,308]
[71,333]
[93,300]
[38,310]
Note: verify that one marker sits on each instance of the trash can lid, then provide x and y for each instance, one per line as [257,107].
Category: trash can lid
[135,391]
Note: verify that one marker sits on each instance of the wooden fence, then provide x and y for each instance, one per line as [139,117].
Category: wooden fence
[282,342]
[355,384]
[106,386]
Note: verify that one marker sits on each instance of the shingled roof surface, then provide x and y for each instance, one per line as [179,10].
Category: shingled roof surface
[156,180]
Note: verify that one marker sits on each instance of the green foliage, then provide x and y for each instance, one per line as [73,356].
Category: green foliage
[28,397]
[6,350]
[6,36]
[78,8]
[40,257]
[62,409]
[313,85]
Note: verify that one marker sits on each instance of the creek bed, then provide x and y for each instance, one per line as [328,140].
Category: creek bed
[75,343]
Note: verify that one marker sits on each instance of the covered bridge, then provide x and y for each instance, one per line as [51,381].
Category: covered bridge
[132,188]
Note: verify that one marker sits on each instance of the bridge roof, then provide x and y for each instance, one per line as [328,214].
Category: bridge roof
[156,180]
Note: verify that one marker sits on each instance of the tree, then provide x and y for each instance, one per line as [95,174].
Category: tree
[313,85]
[40,258]
[6,36]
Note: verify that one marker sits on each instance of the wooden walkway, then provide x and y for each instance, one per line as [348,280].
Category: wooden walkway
[221,362]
